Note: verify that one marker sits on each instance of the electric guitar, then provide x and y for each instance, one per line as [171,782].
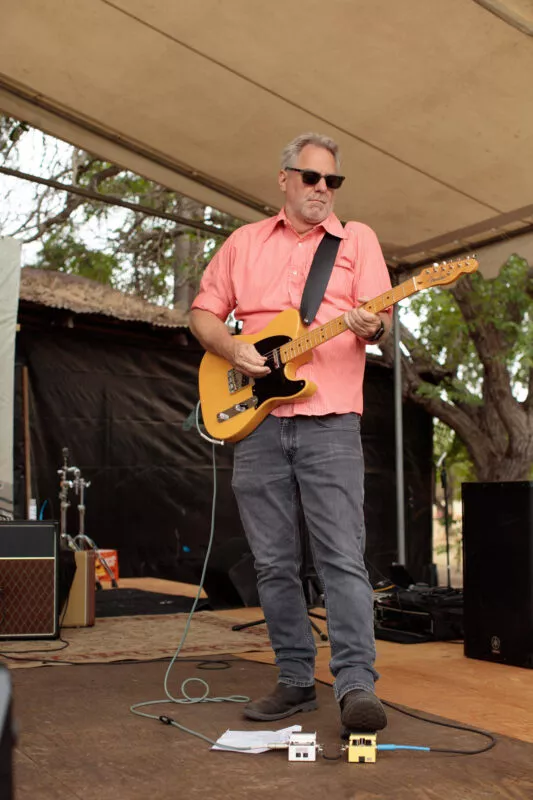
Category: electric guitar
[233,404]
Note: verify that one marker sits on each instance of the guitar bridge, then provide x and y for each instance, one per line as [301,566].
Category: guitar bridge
[237,380]
[238,408]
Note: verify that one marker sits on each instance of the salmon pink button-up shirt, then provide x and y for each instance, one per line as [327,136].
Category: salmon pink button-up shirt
[261,270]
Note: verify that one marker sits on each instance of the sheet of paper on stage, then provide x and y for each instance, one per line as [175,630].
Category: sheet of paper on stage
[258,741]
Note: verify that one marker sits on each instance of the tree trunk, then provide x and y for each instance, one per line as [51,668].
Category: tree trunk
[182,250]
[499,444]
[188,251]
[510,469]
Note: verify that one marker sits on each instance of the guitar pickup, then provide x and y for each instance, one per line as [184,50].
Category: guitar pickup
[238,408]
[237,380]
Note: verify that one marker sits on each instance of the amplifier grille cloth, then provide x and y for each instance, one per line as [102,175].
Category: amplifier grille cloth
[27,596]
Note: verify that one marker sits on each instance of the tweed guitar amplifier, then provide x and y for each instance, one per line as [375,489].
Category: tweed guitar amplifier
[29,580]
[79,609]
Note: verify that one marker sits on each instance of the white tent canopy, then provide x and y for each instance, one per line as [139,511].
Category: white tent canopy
[430,100]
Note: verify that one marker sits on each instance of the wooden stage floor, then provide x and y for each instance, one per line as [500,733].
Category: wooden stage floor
[77,738]
[434,677]
[79,741]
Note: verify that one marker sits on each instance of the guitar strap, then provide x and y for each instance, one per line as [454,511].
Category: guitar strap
[318,277]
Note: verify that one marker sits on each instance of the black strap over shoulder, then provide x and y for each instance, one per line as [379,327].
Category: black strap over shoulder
[318,277]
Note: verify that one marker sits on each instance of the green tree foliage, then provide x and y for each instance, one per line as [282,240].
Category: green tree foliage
[158,259]
[447,445]
[61,252]
[504,305]
[471,366]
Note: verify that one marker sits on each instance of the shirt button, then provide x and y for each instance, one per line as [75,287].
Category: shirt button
[294,272]
[299,244]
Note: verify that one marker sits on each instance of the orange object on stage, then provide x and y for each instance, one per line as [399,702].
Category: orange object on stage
[111,559]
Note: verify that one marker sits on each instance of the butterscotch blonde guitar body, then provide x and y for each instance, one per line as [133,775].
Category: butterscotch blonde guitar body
[245,406]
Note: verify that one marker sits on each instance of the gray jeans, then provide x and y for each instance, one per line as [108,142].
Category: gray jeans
[323,456]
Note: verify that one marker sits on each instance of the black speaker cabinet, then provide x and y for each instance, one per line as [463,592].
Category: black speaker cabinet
[498,571]
[29,580]
[230,580]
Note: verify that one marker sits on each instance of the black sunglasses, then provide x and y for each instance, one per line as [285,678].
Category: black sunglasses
[311,178]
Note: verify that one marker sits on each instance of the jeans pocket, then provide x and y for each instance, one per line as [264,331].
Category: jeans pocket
[340,422]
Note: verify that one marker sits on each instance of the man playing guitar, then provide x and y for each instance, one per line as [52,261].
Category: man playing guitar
[311,447]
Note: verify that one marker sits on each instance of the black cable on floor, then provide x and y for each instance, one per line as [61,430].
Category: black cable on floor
[491,743]
[477,731]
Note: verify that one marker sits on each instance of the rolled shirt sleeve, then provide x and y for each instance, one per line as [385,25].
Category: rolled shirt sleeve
[217,293]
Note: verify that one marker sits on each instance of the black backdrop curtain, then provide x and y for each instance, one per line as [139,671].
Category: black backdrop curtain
[118,398]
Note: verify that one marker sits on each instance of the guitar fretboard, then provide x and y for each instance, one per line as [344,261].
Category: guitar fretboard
[336,326]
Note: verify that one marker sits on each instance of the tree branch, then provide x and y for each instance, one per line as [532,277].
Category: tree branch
[71,204]
[99,177]
[464,421]
[491,346]
[421,359]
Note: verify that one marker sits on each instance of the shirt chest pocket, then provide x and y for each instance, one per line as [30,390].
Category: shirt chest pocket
[340,285]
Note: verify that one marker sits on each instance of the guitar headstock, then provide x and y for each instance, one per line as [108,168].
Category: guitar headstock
[446,272]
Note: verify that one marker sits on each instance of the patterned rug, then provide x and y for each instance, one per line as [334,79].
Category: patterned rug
[138,639]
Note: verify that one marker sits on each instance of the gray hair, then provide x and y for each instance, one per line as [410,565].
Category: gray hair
[294,148]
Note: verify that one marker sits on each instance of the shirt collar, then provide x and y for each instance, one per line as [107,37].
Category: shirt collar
[331,224]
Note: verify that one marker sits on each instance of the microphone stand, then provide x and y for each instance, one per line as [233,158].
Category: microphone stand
[64,485]
[80,485]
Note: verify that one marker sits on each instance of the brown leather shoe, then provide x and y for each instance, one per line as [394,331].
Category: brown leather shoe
[362,711]
[284,701]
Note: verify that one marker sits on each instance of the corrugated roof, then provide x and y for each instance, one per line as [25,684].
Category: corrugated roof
[85,296]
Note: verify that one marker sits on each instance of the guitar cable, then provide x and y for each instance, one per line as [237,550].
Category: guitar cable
[202,434]
[187,699]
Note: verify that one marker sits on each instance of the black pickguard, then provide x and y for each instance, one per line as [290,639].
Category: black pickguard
[275,384]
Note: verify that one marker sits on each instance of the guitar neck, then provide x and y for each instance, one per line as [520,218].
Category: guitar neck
[336,326]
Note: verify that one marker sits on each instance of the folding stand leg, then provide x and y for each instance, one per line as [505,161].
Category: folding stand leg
[92,546]
[316,616]
[107,568]
[244,625]
[322,635]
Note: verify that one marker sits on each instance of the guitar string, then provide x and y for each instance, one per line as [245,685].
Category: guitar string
[274,363]
[324,333]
